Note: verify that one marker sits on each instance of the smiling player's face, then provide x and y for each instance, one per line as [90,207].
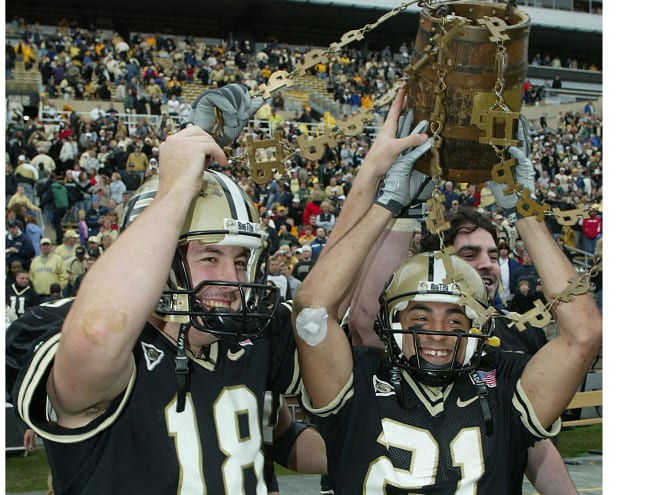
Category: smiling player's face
[436,348]
[214,262]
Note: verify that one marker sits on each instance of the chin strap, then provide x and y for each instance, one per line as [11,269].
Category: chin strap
[395,379]
[482,391]
[181,368]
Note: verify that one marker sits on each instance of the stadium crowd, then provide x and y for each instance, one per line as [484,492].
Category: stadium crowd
[69,176]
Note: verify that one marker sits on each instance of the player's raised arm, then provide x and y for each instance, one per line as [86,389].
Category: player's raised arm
[324,351]
[94,360]
[556,370]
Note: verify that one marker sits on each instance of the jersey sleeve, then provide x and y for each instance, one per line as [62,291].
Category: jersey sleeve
[32,344]
[528,416]
[365,364]
[26,333]
[519,408]
[34,408]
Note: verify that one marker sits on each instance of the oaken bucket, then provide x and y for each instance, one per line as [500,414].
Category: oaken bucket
[466,77]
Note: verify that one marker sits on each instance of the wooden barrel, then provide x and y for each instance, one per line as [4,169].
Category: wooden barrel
[468,64]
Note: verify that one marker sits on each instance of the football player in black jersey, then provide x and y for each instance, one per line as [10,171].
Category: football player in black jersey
[474,238]
[20,295]
[435,414]
[156,382]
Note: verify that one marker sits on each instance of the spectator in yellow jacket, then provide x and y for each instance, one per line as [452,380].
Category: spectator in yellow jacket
[20,198]
[46,269]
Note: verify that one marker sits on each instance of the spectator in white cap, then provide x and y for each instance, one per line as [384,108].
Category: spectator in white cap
[67,249]
[150,172]
[152,169]
[305,263]
[296,210]
[94,242]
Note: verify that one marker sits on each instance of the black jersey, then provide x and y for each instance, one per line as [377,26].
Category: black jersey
[21,299]
[431,440]
[141,445]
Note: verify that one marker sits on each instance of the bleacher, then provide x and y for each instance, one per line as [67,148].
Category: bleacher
[307,91]
[23,79]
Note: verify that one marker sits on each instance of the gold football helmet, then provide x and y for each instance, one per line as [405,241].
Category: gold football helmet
[221,214]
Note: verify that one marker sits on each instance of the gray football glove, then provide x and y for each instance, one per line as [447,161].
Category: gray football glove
[399,188]
[421,189]
[524,173]
[421,186]
[224,112]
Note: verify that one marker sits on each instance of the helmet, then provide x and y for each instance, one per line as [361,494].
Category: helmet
[222,214]
[435,277]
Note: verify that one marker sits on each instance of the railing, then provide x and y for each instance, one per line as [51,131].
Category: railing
[561,96]
[582,260]
[155,121]
[592,6]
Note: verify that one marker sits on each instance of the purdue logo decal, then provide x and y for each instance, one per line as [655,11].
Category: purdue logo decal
[382,388]
[152,355]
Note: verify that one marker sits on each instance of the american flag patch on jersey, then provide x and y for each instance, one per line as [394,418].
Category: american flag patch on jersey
[488,377]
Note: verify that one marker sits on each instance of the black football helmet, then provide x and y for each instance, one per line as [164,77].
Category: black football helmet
[435,277]
[222,214]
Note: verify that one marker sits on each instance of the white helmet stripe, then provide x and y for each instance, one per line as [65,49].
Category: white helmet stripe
[438,268]
[232,190]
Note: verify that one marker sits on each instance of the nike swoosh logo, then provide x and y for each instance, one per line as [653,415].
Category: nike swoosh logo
[466,403]
[235,356]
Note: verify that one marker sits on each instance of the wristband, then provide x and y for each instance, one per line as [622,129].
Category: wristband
[394,206]
[416,210]
[402,225]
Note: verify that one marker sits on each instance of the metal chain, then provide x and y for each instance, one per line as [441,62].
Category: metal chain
[540,315]
[502,173]
[281,79]
[500,83]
